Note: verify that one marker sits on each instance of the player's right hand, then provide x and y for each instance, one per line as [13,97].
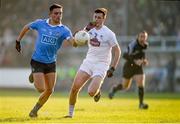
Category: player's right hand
[18,46]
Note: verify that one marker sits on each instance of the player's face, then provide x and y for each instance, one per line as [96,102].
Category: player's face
[56,15]
[142,38]
[99,19]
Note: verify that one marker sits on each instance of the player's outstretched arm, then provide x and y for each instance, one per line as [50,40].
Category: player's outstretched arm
[21,35]
[23,32]
[72,41]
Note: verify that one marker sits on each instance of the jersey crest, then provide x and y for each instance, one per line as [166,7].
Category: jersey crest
[94,42]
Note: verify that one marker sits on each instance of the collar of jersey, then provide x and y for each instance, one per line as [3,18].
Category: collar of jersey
[47,21]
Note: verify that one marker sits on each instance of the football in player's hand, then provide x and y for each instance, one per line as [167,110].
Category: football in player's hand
[81,38]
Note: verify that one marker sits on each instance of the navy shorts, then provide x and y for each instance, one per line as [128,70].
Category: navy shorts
[130,69]
[42,67]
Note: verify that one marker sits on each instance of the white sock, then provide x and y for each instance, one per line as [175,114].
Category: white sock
[71,110]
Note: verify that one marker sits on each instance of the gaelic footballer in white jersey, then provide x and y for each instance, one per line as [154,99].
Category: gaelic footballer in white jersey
[99,52]
[97,61]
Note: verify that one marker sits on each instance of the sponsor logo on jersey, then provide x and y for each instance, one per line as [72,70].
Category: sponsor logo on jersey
[94,42]
[48,40]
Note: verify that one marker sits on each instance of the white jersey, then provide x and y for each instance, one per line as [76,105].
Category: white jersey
[100,45]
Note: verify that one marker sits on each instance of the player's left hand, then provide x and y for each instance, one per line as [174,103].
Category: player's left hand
[18,46]
[110,72]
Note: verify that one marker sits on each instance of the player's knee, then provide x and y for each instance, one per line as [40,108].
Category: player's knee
[40,90]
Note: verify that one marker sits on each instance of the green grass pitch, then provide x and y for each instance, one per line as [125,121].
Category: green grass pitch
[163,108]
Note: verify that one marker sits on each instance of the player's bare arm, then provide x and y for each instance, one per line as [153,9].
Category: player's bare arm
[117,53]
[72,42]
[23,32]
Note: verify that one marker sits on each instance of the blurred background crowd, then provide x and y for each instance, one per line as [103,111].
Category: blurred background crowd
[161,19]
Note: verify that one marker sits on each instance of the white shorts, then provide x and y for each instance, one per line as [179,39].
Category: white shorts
[94,69]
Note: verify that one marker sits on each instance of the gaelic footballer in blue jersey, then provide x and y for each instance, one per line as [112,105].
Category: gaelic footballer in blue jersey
[51,34]
[133,67]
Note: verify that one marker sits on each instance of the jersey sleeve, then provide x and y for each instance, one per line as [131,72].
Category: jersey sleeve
[35,24]
[130,47]
[113,39]
[128,53]
[67,35]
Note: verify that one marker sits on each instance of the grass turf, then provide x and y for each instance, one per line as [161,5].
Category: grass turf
[163,108]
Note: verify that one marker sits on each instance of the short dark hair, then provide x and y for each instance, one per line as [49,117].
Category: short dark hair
[54,6]
[102,10]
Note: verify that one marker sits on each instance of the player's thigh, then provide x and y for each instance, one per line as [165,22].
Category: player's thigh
[80,79]
[95,84]
[39,80]
[50,80]
[140,79]
[126,83]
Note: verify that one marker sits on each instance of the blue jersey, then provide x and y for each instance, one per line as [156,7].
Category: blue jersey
[49,40]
